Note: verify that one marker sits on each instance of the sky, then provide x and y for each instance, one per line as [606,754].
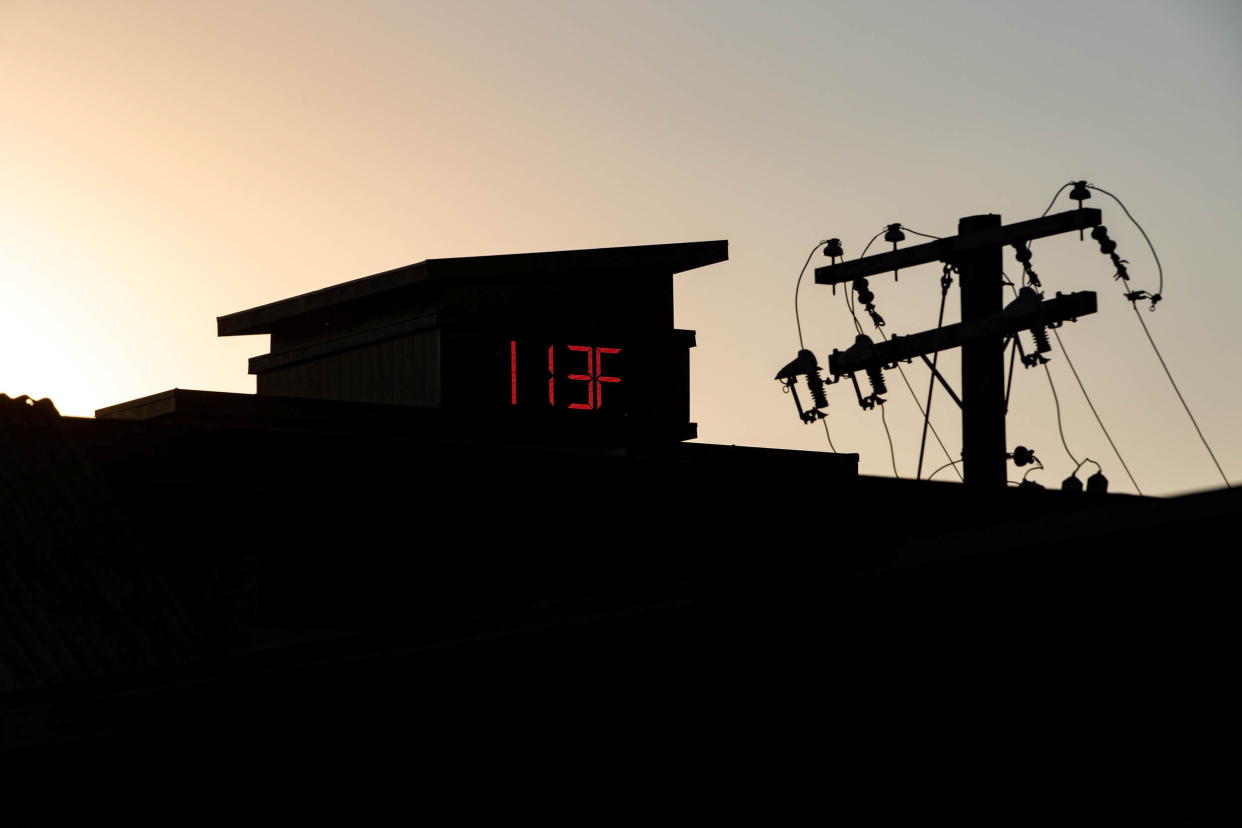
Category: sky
[165,163]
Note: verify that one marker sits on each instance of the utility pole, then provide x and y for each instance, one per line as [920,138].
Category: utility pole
[981,288]
[987,325]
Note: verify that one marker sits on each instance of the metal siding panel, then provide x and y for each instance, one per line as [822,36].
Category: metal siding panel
[403,371]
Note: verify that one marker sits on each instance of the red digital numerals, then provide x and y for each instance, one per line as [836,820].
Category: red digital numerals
[592,374]
[594,377]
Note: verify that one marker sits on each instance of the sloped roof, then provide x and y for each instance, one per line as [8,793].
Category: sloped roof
[667,258]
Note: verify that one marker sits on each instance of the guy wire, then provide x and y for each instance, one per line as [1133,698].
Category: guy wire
[1013,354]
[931,387]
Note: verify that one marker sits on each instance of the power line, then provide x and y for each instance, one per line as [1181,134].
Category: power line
[1054,198]
[824,420]
[1133,297]
[1082,386]
[1013,355]
[925,413]
[1152,247]
[1172,382]
[858,328]
[892,453]
[873,238]
[1098,419]
[848,302]
[1057,402]
[797,287]
[952,463]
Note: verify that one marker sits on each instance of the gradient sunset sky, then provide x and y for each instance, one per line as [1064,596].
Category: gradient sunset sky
[164,163]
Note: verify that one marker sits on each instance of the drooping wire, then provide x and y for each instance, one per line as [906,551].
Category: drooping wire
[1082,386]
[849,305]
[797,287]
[1133,298]
[1098,419]
[1055,197]
[829,436]
[873,238]
[1057,402]
[1084,462]
[952,463]
[1150,246]
[1146,332]
[892,453]
[1044,213]
[858,328]
[1173,382]
[924,235]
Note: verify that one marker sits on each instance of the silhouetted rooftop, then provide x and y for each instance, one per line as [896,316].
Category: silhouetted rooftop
[666,258]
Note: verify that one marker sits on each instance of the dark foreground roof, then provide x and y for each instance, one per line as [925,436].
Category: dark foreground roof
[312,621]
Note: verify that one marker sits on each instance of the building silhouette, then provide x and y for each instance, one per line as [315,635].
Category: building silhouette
[456,552]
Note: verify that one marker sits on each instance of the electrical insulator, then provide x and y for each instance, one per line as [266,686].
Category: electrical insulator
[1109,248]
[1071,484]
[833,249]
[1100,234]
[867,298]
[1023,456]
[861,287]
[1042,345]
[1080,193]
[1097,483]
[1023,253]
[804,365]
[818,395]
[876,377]
[894,235]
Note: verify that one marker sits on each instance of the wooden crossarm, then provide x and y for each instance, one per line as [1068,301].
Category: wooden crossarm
[945,250]
[1063,307]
